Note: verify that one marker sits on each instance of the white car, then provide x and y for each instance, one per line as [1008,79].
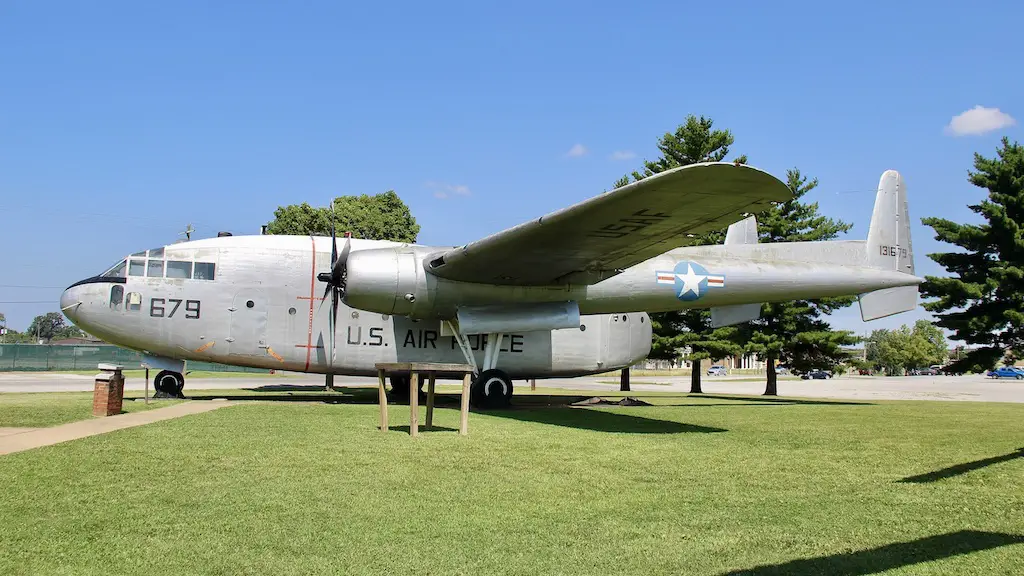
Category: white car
[717,371]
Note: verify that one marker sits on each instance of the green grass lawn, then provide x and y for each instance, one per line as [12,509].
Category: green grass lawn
[41,409]
[693,485]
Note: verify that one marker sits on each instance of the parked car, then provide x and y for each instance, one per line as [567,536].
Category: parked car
[816,375]
[930,371]
[1007,372]
[717,371]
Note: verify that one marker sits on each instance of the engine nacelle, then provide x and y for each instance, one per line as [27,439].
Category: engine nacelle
[394,281]
[385,280]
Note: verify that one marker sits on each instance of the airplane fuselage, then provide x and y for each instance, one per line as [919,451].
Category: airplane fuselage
[264,306]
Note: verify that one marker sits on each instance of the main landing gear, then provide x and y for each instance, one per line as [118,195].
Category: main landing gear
[492,388]
[169,384]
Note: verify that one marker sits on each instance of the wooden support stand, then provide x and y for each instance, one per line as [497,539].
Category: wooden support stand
[431,370]
[108,393]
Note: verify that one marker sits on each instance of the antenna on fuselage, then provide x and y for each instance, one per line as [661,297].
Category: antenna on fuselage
[188,232]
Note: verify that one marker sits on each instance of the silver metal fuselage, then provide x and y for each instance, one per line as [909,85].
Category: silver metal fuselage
[264,309]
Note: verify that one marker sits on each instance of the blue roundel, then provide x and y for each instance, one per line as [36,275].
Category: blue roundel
[690,281]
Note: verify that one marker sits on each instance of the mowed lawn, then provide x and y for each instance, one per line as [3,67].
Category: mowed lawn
[693,485]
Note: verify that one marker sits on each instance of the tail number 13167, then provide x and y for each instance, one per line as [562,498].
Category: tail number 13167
[166,307]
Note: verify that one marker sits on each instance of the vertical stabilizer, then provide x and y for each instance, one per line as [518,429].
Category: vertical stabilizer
[889,247]
[889,233]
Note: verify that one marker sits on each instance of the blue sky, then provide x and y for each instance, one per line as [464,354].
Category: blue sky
[121,122]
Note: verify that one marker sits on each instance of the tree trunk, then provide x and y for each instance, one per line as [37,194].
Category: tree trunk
[695,378]
[772,387]
[624,380]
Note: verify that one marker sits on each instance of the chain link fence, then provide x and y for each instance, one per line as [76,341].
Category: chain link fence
[40,357]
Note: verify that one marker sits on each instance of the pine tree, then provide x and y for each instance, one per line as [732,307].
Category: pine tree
[794,332]
[983,302]
[693,142]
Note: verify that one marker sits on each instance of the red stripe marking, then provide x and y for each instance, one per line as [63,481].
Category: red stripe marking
[312,284]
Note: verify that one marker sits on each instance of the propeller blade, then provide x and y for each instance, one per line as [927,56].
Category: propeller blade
[338,271]
[334,314]
[334,239]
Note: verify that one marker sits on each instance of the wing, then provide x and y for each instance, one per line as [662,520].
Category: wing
[599,237]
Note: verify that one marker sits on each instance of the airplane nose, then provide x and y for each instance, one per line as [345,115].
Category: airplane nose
[70,301]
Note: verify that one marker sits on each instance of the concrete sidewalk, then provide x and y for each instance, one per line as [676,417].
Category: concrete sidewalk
[17,440]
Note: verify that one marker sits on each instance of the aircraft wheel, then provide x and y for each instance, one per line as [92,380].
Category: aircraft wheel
[491,390]
[400,390]
[169,385]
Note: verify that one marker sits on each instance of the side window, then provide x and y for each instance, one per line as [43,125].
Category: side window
[137,268]
[179,269]
[203,271]
[116,296]
[134,301]
[156,269]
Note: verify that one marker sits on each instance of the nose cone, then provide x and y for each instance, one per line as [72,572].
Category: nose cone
[70,302]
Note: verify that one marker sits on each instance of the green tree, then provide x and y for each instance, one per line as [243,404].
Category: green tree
[688,333]
[982,302]
[898,350]
[379,217]
[794,332]
[46,326]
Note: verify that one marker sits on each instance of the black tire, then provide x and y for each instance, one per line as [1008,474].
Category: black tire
[400,390]
[169,384]
[492,390]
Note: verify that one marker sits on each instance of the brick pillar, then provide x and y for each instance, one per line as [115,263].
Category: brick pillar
[108,394]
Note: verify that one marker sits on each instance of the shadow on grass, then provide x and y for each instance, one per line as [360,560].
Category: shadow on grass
[755,400]
[552,409]
[891,556]
[601,421]
[962,468]
[423,429]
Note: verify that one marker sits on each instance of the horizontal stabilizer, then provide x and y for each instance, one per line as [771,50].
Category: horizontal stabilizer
[736,314]
[888,301]
[742,232]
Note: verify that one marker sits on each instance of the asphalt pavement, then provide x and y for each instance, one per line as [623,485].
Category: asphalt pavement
[964,388]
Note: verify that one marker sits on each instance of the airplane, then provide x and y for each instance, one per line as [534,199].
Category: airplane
[567,294]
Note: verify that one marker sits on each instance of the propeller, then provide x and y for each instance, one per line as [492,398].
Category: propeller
[335,280]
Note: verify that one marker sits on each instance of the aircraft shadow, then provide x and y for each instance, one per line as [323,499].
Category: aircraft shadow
[755,400]
[890,556]
[964,468]
[600,420]
[553,409]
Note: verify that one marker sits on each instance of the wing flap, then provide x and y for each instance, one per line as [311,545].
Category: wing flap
[597,238]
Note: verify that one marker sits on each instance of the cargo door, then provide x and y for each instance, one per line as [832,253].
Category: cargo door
[248,324]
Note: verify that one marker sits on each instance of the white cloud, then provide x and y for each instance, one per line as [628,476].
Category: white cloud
[443,190]
[576,151]
[622,155]
[979,120]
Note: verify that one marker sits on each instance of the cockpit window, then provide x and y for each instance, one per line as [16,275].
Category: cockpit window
[136,267]
[115,271]
[203,271]
[156,253]
[116,296]
[155,269]
[179,269]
